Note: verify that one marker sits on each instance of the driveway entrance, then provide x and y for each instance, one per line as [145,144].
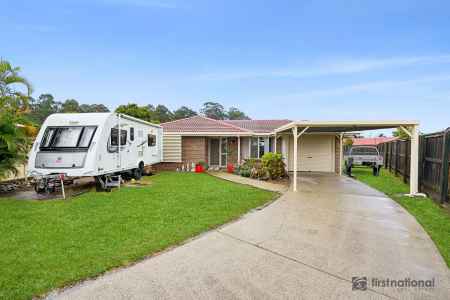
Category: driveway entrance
[308,244]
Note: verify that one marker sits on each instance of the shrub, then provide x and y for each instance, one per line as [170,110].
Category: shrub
[273,163]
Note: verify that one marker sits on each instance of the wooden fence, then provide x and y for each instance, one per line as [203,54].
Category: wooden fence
[434,155]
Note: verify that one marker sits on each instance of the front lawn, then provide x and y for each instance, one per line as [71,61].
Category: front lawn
[433,219]
[49,244]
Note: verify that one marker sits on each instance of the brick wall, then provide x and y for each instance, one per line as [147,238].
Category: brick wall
[194,149]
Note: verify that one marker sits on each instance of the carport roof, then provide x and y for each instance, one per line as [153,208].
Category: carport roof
[344,126]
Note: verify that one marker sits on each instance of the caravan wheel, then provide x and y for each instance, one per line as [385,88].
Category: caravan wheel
[137,173]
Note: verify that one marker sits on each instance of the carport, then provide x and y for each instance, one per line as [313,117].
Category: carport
[298,128]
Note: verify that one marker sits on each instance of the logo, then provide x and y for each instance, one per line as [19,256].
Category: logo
[359,283]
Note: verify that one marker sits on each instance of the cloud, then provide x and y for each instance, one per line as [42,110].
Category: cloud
[329,68]
[142,3]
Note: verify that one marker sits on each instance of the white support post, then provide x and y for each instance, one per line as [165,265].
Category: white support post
[275,144]
[294,132]
[341,153]
[239,150]
[414,165]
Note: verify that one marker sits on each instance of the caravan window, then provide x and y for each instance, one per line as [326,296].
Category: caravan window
[131,133]
[151,140]
[115,139]
[71,137]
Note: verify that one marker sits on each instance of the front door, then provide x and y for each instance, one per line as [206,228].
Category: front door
[214,152]
[223,151]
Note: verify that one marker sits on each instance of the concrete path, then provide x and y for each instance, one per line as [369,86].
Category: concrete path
[306,245]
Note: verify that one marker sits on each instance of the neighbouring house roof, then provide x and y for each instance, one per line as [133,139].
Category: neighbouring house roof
[259,126]
[372,141]
[200,124]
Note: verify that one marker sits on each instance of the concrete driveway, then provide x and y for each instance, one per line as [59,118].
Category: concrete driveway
[306,245]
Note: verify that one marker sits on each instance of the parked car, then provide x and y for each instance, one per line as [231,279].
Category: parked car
[102,145]
[363,156]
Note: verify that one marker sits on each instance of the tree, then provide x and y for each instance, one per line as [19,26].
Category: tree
[183,112]
[71,106]
[213,110]
[86,108]
[235,114]
[162,114]
[10,97]
[14,143]
[141,112]
[44,106]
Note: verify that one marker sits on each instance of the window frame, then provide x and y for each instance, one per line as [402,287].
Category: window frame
[259,139]
[131,134]
[153,139]
[70,148]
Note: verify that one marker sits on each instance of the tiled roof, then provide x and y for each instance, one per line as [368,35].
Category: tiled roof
[372,141]
[200,124]
[259,126]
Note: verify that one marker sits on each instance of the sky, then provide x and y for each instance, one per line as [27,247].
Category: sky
[300,60]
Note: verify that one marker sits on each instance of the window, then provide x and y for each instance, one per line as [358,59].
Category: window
[114,139]
[131,134]
[86,136]
[257,147]
[71,137]
[261,144]
[364,151]
[151,140]
[254,147]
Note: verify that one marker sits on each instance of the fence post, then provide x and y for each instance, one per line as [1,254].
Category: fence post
[444,169]
[390,156]
[397,156]
[405,162]
[422,161]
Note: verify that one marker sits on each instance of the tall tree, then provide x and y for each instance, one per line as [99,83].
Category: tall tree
[162,114]
[141,112]
[10,80]
[183,112]
[42,107]
[213,110]
[71,106]
[235,114]
[85,108]
[14,142]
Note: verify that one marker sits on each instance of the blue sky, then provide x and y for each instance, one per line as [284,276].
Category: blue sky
[319,60]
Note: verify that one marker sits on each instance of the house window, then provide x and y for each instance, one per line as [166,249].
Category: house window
[257,146]
[131,133]
[151,140]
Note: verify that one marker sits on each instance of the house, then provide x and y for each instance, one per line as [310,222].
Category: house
[311,146]
[372,141]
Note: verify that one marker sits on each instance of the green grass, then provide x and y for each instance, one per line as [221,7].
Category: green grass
[49,244]
[434,219]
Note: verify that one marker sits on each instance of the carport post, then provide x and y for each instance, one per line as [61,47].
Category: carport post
[341,152]
[414,171]
[239,150]
[294,132]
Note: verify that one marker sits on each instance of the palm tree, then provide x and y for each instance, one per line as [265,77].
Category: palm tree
[10,97]
[14,141]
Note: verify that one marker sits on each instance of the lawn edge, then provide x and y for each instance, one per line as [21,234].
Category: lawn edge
[70,285]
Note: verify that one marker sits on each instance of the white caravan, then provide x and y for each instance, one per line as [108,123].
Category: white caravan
[87,144]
